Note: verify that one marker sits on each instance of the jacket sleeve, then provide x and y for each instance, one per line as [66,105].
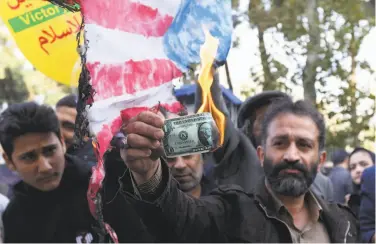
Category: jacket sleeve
[329,190]
[183,218]
[367,205]
[118,212]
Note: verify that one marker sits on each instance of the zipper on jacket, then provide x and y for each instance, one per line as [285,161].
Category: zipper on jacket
[347,231]
[271,217]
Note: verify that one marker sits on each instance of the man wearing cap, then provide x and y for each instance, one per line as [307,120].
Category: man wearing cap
[252,111]
[250,119]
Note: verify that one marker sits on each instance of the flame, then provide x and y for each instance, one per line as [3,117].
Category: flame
[205,80]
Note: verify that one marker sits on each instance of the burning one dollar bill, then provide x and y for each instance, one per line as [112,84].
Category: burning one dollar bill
[190,134]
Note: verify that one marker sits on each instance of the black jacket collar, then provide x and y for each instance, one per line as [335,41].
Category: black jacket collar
[339,221]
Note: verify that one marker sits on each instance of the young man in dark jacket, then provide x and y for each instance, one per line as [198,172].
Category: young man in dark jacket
[50,203]
[282,208]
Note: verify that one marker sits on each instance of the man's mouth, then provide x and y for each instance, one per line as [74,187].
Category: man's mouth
[182,177]
[47,178]
[291,171]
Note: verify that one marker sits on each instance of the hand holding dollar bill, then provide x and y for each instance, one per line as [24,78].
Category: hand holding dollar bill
[190,134]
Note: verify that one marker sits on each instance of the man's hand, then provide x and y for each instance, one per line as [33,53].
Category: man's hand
[144,133]
[347,199]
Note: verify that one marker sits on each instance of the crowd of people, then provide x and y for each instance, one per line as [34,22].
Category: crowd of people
[265,184]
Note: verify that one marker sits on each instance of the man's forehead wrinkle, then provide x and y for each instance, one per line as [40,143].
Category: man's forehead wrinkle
[40,146]
[281,136]
[289,125]
[292,135]
[33,141]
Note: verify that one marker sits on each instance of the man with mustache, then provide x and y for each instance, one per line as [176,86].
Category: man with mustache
[251,115]
[282,208]
[189,170]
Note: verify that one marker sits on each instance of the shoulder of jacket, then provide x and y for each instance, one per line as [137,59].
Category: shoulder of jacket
[230,189]
[346,210]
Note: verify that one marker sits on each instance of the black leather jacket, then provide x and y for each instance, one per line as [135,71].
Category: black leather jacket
[231,215]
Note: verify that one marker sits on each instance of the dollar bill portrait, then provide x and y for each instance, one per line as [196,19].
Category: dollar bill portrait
[205,134]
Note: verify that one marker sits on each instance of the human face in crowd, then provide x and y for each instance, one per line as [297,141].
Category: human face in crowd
[290,156]
[39,159]
[257,124]
[187,170]
[358,162]
[67,119]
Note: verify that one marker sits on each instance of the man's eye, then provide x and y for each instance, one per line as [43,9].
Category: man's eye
[305,145]
[278,143]
[363,164]
[49,151]
[29,157]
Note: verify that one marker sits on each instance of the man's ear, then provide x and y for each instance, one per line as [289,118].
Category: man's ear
[261,154]
[9,162]
[63,143]
[322,158]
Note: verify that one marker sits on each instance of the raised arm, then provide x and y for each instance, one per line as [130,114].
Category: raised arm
[156,196]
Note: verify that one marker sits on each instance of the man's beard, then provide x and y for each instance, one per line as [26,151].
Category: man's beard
[192,183]
[286,184]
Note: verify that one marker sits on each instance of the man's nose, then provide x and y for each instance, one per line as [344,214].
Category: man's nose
[358,168]
[44,165]
[291,154]
[179,163]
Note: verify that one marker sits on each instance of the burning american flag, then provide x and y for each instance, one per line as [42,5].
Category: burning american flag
[135,49]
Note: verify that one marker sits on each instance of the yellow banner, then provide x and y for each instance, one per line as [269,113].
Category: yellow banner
[46,35]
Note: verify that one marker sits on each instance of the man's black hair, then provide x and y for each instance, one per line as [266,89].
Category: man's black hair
[249,106]
[299,108]
[338,156]
[247,112]
[362,149]
[67,101]
[22,118]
